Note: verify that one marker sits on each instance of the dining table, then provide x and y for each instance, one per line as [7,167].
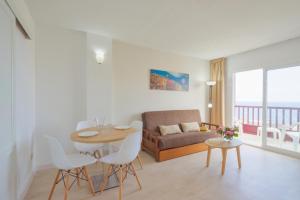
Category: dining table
[104,135]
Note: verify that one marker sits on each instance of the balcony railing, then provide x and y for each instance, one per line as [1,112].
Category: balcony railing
[276,116]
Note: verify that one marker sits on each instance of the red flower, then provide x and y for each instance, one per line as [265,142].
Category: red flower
[229,133]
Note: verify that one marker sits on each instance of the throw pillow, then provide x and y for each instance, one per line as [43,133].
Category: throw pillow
[171,129]
[190,126]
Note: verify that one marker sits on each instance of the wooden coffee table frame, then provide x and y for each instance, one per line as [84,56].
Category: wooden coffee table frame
[224,146]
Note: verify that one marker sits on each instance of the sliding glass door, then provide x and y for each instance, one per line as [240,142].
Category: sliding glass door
[248,100]
[283,108]
[267,107]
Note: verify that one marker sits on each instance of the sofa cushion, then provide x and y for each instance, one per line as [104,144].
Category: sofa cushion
[190,126]
[153,119]
[171,129]
[180,140]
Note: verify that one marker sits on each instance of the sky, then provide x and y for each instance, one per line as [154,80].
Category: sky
[283,85]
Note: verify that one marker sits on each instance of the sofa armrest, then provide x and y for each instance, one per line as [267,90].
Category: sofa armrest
[210,125]
[151,136]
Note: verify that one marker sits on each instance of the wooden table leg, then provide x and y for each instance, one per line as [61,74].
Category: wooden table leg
[106,178]
[239,156]
[208,156]
[224,155]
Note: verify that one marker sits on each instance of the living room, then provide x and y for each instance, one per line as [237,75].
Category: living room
[112,63]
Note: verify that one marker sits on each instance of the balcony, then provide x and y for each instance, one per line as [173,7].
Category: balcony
[283,127]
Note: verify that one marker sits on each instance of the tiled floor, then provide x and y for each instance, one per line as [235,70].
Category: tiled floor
[264,175]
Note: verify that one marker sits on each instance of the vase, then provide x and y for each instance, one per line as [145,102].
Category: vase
[226,139]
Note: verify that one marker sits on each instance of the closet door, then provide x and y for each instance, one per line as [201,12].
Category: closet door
[6,88]
[7,155]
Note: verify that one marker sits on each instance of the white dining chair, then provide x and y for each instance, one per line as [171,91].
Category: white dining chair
[138,126]
[121,161]
[91,149]
[73,165]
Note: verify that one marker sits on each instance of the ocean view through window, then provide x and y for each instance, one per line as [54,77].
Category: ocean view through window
[282,112]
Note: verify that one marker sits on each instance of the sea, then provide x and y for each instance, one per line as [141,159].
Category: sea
[278,113]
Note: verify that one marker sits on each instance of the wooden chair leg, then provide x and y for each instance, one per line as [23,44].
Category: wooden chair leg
[136,176]
[121,183]
[54,184]
[77,176]
[89,180]
[125,172]
[105,181]
[140,161]
[66,179]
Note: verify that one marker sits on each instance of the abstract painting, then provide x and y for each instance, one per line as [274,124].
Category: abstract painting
[165,80]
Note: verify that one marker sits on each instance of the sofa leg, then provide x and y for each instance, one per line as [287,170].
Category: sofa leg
[157,157]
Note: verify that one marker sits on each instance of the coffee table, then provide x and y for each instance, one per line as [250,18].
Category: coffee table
[224,146]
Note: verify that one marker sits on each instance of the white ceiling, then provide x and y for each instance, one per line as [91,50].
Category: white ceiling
[202,28]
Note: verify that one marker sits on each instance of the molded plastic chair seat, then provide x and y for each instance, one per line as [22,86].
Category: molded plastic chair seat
[138,126]
[87,148]
[115,159]
[122,160]
[79,160]
[66,164]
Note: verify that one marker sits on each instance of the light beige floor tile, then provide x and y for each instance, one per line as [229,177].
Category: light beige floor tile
[264,175]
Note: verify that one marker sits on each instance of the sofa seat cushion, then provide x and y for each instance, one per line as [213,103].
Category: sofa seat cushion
[183,139]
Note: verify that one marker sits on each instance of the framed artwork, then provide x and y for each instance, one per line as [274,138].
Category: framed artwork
[165,80]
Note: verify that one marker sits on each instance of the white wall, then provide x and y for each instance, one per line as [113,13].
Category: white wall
[283,54]
[131,93]
[99,79]
[71,86]
[60,86]
[24,120]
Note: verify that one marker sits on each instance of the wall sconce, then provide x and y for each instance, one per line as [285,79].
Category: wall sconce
[210,83]
[99,57]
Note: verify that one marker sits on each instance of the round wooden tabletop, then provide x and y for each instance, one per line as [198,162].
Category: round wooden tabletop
[105,135]
[220,143]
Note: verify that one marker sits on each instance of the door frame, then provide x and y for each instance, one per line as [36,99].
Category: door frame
[265,104]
